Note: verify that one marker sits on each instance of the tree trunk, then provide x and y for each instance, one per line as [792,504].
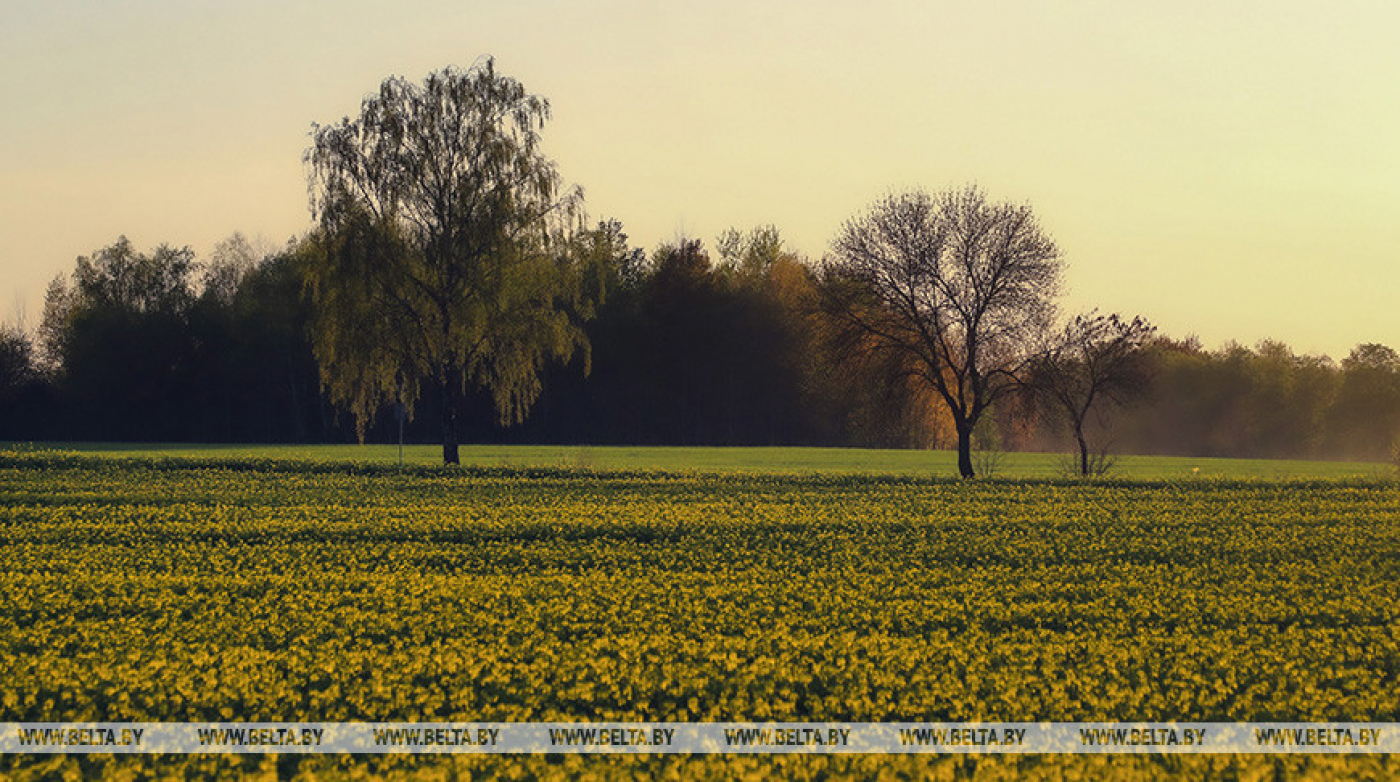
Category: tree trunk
[965,450]
[1083,451]
[449,422]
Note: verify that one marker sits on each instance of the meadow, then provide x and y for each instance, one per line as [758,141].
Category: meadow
[227,586]
[837,461]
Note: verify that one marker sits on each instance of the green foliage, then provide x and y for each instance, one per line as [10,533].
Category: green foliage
[119,277]
[1265,401]
[115,286]
[1365,416]
[444,250]
[155,591]
[750,255]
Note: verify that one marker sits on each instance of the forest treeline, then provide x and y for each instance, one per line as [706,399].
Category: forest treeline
[691,345]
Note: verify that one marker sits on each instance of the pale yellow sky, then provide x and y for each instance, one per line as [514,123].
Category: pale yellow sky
[1226,169]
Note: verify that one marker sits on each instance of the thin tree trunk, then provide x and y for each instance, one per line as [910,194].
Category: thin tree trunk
[449,422]
[1083,451]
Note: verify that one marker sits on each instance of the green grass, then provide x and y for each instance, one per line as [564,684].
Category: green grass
[766,460]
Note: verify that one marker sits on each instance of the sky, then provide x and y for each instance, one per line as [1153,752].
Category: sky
[1229,170]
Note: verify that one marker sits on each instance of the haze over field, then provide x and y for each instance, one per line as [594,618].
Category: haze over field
[1229,171]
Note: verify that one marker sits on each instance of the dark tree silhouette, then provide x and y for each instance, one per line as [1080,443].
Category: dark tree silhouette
[118,333]
[22,385]
[17,366]
[1365,419]
[957,285]
[1096,360]
[443,249]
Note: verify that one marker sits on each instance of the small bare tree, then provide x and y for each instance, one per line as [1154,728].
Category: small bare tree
[952,283]
[1095,360]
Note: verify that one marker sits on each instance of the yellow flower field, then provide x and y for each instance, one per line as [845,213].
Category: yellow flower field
[154,591]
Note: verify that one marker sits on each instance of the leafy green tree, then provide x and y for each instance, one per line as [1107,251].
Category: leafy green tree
[117,336]
[1289,395]
[443,254]
[750,255]
[120,277]
[1365,418]
[109,290]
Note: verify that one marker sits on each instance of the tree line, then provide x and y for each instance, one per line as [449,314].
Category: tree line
[692,346]
[452,288]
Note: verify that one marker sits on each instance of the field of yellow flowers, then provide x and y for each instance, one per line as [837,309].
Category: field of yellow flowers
[148,590]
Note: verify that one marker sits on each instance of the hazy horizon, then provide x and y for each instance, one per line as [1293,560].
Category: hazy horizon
[1228,172]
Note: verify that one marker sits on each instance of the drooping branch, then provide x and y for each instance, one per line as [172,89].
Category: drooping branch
[442,229]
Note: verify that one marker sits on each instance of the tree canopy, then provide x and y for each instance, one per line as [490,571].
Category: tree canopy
[443,254]
[954,285]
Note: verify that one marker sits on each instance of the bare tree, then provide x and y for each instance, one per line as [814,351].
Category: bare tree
[957,285]
[1094,360]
